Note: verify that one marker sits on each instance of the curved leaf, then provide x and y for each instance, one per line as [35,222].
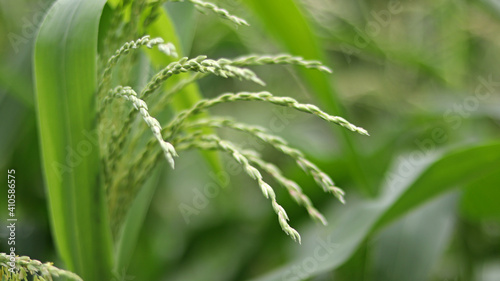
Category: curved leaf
[356,221]
[480,199]
[454,170]
[129,233]
[410,248]
[65,75]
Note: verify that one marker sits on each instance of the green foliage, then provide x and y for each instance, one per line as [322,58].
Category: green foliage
[121,190]
[66,80]
[120,200]
[123,88]
[363,218]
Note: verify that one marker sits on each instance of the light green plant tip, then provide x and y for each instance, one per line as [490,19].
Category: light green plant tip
[260,96]
[280,144]
[292,187]
[25,266]
[129,94]
[202,65]
[254,173]
[202,5]
[125,49]
[276,59]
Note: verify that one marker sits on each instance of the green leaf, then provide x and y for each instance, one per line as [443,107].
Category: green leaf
[455,170]
[409,249]
[327,250]
[129,233]
[65,62]
[480,199]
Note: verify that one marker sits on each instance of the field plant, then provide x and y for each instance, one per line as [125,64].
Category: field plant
[111,171]
[123,91]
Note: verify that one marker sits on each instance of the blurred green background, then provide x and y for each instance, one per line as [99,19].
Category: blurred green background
[421,76]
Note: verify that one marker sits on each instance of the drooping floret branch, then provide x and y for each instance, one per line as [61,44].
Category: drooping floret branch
[206,141]
[202,5]
[184,131]
[199,64]
[179,121]
[292,187]
[250,60]
[202,105]
[276,59]
[125,49]
[193,140]
[25,267]
[129,94]
[203,66]
[182,124]
[321,178]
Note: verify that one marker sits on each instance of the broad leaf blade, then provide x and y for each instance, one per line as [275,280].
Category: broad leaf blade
[356,221]
[455,170]
[410,248]
[480,199]
[65,75]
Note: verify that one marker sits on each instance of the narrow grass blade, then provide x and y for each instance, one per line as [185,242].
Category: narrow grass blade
[127,241]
